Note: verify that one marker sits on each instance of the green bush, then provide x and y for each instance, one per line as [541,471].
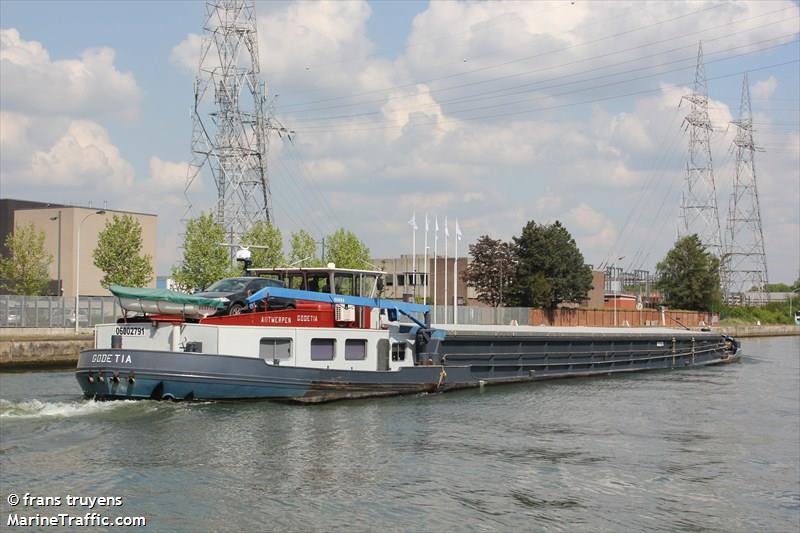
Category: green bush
[772,313]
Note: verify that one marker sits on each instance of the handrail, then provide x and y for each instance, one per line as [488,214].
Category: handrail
[296,294]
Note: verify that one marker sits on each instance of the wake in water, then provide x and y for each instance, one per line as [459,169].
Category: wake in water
[38,409]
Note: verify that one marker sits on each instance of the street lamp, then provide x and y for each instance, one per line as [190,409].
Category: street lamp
[614,270]
[60,282]
[78,267]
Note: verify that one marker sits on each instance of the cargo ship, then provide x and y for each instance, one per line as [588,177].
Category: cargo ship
[341,341]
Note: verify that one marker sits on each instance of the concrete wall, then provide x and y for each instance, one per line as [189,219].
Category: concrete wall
[41,348]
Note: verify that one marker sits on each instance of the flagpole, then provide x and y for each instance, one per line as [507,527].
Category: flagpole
[425,266]
[455,275]
[414,253]
[435,251]
[445,270]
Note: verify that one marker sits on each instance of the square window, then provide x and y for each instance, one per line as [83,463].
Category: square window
[399,351]
[323,349]
[270,349]
[355,349]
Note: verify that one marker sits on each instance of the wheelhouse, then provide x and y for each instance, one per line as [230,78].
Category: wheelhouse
[331,280]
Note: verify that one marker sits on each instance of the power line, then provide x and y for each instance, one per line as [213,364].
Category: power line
[558,85]
[535,110]
[526,58]
[593,58]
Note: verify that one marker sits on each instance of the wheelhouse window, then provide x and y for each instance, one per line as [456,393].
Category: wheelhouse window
[319,283]
[369,284]
[271,349]
[297,281]
[398,351]
[323,349]
[343,284]
[355,349]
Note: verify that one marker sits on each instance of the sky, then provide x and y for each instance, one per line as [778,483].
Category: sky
[492,113]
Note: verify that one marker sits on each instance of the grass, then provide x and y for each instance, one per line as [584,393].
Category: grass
[772,313]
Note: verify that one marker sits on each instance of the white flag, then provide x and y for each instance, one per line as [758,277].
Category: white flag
[413,221]
[446,231]
[436,224]
[458,231]
[426,223]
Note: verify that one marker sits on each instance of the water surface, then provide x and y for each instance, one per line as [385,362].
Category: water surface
[714,449]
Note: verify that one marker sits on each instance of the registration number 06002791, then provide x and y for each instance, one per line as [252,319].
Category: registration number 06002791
[130,331]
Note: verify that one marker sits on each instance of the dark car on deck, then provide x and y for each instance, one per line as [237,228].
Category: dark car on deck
[236,290]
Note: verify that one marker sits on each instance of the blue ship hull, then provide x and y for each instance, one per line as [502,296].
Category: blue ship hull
[447,363]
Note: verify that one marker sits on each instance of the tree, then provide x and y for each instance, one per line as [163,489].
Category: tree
[346,250]
[550,268]
[204,261]
[25,270]
[775,287]
[491,270]
[304,249]
[689,276]
[117,254]
[265,234]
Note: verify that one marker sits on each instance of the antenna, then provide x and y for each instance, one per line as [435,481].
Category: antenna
[699,214]
[232,118]
[744,266]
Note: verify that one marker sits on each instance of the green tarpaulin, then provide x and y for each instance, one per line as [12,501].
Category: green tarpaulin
[164,295]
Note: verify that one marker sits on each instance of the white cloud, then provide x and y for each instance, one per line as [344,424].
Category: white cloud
[83,156]
[326,170]
[187,53]
[521,39]
[548,203]
[763,89]
[168,176]
[33,83]
[301,44]
[13,133]
[593,231]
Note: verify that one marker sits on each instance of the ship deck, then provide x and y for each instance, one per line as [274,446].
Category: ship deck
[469,330]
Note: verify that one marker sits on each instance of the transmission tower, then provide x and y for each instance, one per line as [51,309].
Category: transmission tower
[699,213]
[744,267]
[231,118]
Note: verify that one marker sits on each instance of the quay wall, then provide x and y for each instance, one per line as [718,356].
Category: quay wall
[25,348]
[759,331]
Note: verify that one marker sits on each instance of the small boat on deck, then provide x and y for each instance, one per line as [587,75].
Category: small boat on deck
[345,342]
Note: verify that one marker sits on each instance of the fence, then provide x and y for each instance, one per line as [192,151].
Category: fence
[56,312]
[624,317]
[482,315]
[59,312]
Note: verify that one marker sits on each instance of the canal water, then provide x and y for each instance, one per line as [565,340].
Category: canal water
[715,448]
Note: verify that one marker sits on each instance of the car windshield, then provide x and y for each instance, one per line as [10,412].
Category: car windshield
[228,285]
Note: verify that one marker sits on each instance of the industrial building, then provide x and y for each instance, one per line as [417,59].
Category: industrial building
[63,225]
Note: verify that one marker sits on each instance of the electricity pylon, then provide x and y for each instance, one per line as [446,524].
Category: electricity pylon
[231,118]
[699,213]
[744,265]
